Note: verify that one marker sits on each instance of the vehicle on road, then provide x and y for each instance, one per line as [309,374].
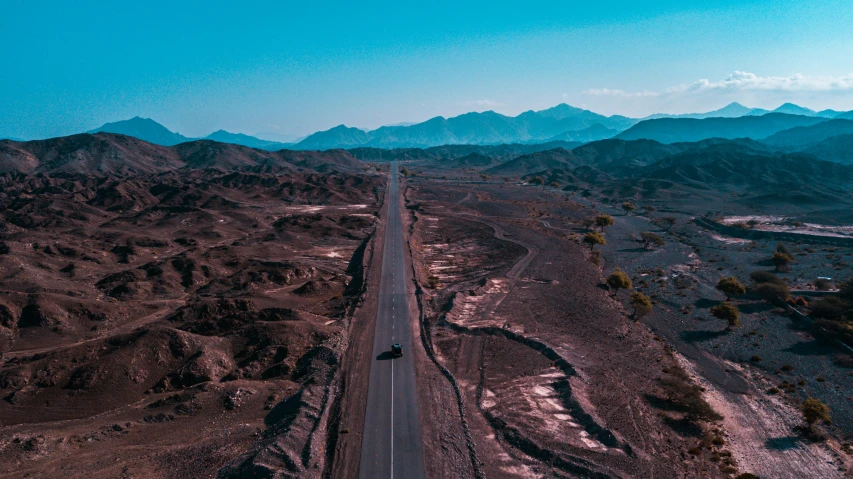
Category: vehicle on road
[396,350]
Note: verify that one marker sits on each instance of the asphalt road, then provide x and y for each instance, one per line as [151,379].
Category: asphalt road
[391,445]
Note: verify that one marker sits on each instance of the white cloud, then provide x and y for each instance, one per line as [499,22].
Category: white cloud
[742,82]
[816,92]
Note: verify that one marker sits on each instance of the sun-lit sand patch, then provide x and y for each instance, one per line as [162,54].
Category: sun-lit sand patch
[728,240]
[531,404]
[323,208]
[520,471]
[333,253]
[783,224]
[730,220]
[488,399]
[469,309]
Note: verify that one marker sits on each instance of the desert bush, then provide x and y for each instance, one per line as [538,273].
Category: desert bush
[727,312]
[815,411]
[730,287]
[603,221]
[433,281]
[537,180]
[681,390]
[594,238]
[842,328]
[765,277]
[822,284]
[650,238]
[617,280]
[595,257]
[845,290]
[781,260]
[628,207]
[772,291]
[641,303]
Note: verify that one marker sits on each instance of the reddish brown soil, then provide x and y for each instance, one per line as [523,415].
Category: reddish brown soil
[175,324]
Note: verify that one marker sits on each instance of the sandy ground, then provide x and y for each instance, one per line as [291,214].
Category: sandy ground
[505,330]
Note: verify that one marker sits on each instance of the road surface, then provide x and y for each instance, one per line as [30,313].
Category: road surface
[391,445]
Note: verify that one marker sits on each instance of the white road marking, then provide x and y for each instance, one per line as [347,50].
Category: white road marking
[392,418]
[392,359]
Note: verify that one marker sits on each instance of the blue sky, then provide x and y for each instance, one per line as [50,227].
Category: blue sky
[290,68]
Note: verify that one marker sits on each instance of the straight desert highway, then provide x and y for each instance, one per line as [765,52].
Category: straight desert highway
[391,445]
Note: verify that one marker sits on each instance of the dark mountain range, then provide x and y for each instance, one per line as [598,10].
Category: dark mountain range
[735,165]
[593,133]
[450,152]
[802,136]
[223,136]
[673,130]
[112,153]
[487,128]
[649,169]
[145,129]
[837,149]
[471,160]
[534,162]
[625,158]
[85,153]
[612,155]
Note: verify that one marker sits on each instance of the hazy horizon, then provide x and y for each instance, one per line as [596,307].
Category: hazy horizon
[284,72]
[272,136]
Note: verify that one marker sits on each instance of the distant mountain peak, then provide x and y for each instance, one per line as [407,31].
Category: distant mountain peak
[733,109]
[562,110]
[793,109]
[143,128]
[224,136]
[343,127]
